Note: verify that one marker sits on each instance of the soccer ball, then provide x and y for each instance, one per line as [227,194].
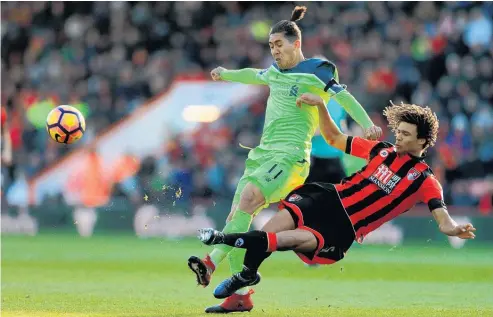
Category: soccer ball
[65,124]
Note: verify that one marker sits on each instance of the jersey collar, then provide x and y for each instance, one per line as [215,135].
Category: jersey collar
[299,68]
[417,158]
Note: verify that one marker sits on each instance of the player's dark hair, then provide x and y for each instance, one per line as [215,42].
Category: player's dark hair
[290,28]
[424,118]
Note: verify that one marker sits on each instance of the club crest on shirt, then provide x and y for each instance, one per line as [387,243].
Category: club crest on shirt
[239,242]
[294,197]
[413,174]
[384,153]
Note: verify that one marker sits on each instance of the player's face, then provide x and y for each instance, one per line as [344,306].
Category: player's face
[406,139]
[282,50]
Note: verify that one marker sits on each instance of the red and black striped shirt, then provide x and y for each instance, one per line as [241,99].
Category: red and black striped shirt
[389,185]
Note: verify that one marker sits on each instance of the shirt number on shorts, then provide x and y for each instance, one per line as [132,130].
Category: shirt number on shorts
[273,173]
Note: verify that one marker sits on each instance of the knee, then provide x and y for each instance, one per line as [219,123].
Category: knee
[251,199]
[231,212]
[230,216]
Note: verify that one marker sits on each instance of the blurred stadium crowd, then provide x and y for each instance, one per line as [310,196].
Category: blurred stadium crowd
[107,58]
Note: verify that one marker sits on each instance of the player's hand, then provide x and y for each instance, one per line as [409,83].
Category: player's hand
[216,73]
[309,99]
[373,133]
[462,231]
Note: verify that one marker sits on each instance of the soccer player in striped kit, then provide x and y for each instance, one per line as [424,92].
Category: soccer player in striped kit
[320,221]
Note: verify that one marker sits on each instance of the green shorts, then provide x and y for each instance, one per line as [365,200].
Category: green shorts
[276,174]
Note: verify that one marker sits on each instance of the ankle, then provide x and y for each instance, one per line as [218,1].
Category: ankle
[209,262]
[248,274]
[220,237]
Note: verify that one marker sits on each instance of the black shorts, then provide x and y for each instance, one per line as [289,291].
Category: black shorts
[328,170]
[316,207]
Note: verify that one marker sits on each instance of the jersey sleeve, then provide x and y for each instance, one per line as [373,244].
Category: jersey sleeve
[246,76]
[360,147]
[327,73]
[432,193]
[263,76]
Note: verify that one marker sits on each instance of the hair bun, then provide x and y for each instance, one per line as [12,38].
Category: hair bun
[298,13]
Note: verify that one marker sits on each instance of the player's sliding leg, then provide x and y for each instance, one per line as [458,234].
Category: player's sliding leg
[281,221]
[259,245]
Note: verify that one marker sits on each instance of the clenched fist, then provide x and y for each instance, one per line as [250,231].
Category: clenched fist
[216,73]
[310,100]
[373,133]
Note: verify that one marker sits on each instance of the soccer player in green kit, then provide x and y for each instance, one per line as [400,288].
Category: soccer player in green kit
[280,162]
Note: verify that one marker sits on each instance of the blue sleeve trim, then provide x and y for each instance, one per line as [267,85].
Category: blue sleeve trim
[334,86]
[325,71]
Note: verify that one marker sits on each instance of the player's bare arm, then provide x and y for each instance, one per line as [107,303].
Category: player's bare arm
[448,226]
[329,130]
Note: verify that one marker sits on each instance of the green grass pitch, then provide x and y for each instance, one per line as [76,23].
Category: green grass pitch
[64,275]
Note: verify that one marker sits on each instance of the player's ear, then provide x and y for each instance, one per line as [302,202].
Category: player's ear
[422,142]
[297,43]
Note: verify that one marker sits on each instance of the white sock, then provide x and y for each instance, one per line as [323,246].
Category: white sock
[217,256]
[242,291]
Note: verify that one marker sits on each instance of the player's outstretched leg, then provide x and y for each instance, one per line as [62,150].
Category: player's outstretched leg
[254,240]
[259,245]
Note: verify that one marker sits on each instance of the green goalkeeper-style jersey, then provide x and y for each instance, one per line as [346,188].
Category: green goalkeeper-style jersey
[287,128]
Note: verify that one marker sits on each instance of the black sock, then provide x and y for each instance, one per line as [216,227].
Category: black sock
[253,259]
[259,245]
[253,240]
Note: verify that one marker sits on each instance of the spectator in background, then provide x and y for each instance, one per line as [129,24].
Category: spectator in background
[478,31]
[89,188]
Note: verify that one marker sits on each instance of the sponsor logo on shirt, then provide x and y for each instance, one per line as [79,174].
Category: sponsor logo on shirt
[384,178]
[239,242]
